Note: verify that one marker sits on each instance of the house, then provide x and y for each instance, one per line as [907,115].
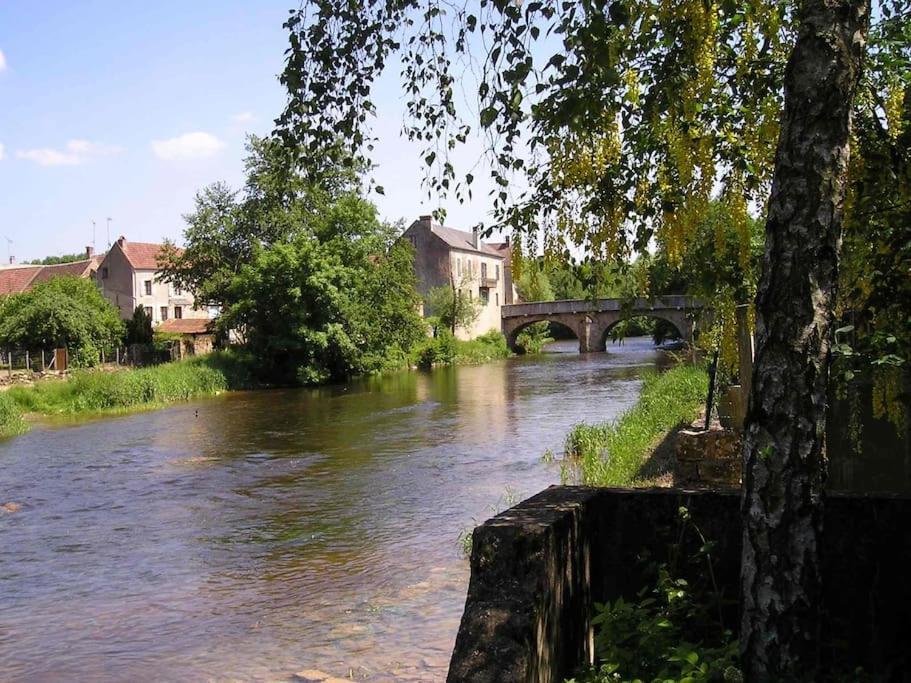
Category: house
[15,279]
[447,257]
[197,335]
[128,277]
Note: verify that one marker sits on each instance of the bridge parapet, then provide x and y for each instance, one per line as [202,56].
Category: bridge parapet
[673,303]
[591,320]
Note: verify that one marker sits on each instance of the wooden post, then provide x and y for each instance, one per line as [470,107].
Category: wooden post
[43,366]
[745,353]
[28,365]
[117,355]
[9,357]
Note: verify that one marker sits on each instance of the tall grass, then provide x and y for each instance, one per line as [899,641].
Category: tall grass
[96,391]
[11,421]
[611,454]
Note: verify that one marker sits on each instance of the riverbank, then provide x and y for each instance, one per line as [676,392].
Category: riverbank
[615,453]
[104,392]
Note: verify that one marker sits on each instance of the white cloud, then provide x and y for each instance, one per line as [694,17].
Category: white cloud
[2,61]
[244,117]
[197,145]
[75,152]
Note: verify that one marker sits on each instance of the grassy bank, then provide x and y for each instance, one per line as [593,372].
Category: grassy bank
[110,392]
[447,350]
[612,454]
[11,422]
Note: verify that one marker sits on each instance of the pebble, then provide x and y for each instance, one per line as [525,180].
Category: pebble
[10,507]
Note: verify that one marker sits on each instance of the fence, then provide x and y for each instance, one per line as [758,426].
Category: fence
[24,362]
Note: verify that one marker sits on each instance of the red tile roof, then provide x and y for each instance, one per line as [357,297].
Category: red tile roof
[141,255]
[73,269]
[15,280]
[187,326]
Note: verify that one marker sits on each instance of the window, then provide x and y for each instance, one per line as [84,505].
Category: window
[497,271]
[148,311]
[178,291]
[459,267]
[104,273]
[178,312]
[148,285]
[485,296]
[469,267]
[164,312]
[484,271]
[496,298]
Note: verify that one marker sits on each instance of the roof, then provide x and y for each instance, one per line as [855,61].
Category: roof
[459,239]
[73,269]
[17,279]
[141,255]
[187,326]
[503,248]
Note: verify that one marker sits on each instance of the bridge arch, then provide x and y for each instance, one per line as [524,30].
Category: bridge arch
[680,326]
[513,335]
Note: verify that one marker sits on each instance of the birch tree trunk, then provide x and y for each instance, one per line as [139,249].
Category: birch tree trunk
[784,458]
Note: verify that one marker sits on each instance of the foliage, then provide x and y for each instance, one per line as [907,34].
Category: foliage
[317,287]
[445,349]
[534,338]
[139,327]
[57,260]
[672,631]
[452,308]
[534,283]
[98,391]
[338,299]
[227,227]
[64,311]
[11,422]
[611,454]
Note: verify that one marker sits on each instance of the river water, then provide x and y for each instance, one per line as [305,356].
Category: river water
[256,534]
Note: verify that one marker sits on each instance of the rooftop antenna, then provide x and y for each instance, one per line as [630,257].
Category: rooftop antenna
[109,232]
[93,235]
[9,249]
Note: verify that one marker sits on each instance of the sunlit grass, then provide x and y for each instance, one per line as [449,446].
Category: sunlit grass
[612,454]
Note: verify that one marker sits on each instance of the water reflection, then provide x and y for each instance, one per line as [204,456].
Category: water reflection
[257,534]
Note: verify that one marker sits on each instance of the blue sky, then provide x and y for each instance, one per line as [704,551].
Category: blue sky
[126,109]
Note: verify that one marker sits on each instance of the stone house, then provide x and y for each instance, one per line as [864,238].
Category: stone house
[15,279]
[128,277]
[197,335]
[456,258]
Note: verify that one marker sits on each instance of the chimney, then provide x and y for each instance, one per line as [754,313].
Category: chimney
[507,240]
[89,252]
[121,240]
[476,237]
[12,260]
[427,218]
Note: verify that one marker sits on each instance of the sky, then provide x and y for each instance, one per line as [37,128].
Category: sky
[125,110]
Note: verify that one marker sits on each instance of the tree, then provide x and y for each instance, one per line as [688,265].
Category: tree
[64,311]
[338,299]
[452,307]
[227,226]
[139,327]
[623,119]
[56,260]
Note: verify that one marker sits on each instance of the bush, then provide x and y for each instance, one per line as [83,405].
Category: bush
[10,417]
[611,454]
[534,337]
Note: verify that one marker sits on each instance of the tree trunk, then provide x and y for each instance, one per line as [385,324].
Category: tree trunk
[784,459]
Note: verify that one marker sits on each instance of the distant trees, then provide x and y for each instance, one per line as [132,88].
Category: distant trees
[57,260]
[65,311]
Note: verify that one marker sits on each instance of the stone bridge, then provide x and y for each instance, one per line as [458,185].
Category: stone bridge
[591,320]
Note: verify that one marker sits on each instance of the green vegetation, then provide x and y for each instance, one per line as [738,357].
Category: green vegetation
[673,631]
[65,311]
[95,391]
[11,422]
[319,289]
[57,260]
[450,309]
[139,327]
[444,349]
[612,454]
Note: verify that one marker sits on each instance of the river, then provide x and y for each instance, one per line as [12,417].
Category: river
[256,534]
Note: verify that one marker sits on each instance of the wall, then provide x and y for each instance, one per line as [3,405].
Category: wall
[537,568]
[163,294]
[469,283]
[117,287]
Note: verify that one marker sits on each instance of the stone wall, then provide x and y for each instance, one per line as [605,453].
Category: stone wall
[537,569]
